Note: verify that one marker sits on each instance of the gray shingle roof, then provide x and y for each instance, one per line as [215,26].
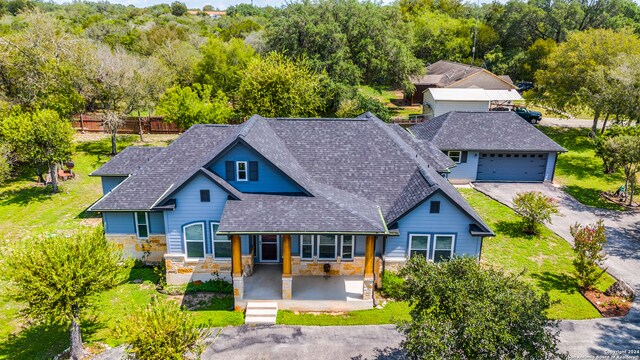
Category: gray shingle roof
[444,73]
[128,161]
[359,174]
[432,154]
[488,131]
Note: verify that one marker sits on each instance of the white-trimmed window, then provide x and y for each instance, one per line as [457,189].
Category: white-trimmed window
[455,156]
[306,247]
[142,225]
[242,171]
[327,247]
[443,247]
[419,245]
[221,243]
[347,247]
[193,235]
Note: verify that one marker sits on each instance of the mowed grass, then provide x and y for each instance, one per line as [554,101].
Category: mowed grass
[28,209]
[391,313]
[580,171]
[545,259]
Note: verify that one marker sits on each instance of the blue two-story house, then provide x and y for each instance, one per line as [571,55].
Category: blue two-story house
[317,197]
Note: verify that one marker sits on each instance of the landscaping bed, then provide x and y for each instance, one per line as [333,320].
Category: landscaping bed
[608,306]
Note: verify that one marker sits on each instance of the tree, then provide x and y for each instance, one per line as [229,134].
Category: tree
[198,104]
[112,121]
[276,86]
[590,57]
[178,8]
[462,310]
[56,277]
[161,330]
[40,138]
[6,162]
[535,209]
[588,246]
[223,64]
[624,152]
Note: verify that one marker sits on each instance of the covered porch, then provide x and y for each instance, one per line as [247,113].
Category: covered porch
[275,282]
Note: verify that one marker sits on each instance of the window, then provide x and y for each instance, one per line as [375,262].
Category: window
[221,244]
[419,245]
[194,240]
[205,196]
[241,170]
[306,247]
[327,247]
[142,225]
[455,156]
[443,249]
[347,247]
[434,207]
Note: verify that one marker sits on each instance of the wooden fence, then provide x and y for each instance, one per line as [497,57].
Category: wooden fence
[132,124]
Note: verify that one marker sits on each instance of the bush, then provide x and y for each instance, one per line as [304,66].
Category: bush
[462,310]
[161,331]
[392,285]
[535,209]
[589,241]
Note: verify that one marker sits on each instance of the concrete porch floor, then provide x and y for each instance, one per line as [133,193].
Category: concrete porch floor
[309,293]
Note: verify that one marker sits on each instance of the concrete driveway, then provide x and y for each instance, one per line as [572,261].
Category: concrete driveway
[598,336]
[306,342]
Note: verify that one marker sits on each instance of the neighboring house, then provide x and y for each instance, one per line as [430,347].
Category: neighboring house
[340,197]
[491,146]
[449,74]
[441,101]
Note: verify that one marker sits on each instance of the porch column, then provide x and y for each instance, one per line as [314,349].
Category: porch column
[286,267]
[369,250]
[236,267]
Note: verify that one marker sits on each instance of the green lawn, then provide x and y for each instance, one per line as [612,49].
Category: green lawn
[545,258]
[392,99]
[390,314]
[580,171]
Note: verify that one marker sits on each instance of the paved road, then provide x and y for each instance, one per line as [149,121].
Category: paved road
[572,123]
[598,336]
[306,342]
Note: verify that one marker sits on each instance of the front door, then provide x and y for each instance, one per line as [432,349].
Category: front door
[269,248]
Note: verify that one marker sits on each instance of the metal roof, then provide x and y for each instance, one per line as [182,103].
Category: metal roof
[455,94]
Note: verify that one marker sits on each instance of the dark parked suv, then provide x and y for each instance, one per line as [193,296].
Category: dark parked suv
[531,116]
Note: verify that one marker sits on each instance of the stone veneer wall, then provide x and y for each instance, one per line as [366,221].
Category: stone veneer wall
[181,271]
[150,250]
[338,267]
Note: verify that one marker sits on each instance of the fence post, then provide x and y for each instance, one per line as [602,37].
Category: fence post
[81,124]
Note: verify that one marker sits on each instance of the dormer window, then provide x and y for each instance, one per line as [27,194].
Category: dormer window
[241,171]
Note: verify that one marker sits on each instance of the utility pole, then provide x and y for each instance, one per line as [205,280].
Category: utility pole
[475,34]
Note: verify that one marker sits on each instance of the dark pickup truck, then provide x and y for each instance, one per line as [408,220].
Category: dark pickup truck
[531,116]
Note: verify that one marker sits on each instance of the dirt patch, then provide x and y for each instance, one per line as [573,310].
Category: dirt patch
[608,306]
[610,197]
[196,301]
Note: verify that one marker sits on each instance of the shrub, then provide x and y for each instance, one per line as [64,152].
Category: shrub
[161,331]
[392,285]
[589,241]
[535,209]
[462,310]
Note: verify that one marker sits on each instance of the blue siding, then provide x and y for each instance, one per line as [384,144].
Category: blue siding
[465,172]
[109,182]
[450,220]
[156,223]
[244,241]
[295,245]
[119,223]
[360,243]
[270,179]
[189,209]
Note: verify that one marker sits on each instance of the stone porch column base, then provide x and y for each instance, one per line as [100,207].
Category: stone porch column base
[238,287]
[287,283]
[367,288]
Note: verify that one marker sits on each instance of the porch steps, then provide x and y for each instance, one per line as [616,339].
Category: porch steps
[261,313]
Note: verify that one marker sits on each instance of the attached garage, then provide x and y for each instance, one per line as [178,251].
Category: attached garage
[491,146]
[512,166]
